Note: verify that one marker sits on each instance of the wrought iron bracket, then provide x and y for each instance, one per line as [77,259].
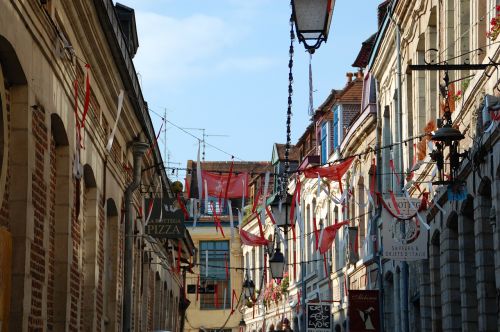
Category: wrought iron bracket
[446,66]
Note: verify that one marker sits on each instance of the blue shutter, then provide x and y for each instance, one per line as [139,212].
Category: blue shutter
[324,152]
[335,128]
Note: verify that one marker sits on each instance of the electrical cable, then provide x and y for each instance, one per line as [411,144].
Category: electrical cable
[453,43]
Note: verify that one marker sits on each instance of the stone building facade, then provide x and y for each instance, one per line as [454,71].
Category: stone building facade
[62,214]
[457,287]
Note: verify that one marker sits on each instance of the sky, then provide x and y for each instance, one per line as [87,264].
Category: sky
[222,66]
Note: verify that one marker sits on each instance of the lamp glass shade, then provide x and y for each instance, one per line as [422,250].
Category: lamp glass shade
[242,323]
[281,216]
[447,134]
[277,264]
[312,21]
[249,288]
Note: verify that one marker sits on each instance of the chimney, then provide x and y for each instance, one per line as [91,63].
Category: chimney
[349,77]
[359,74]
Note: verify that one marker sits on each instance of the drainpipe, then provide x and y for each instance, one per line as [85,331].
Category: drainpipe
[399,124]
[303,279]
[378,175]
[138,149]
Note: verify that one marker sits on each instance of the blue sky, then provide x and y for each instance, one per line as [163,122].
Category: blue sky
[222,65]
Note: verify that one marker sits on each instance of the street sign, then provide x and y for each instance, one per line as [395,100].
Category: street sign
[166,219]
[319,317]
[167,229]
[403,239]
[363,311]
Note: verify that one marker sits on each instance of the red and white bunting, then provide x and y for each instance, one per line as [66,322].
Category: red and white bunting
[231,221]
[198,174]
[228,181]
[115,126]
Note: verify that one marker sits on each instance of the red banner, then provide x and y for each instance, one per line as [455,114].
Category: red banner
[333,172]
[329,234]
[217,183]
[250,239]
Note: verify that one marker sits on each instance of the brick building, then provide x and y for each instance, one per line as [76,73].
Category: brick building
[63,194]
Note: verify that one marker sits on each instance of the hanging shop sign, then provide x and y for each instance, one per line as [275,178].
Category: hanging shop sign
[364,311]
[319,317]
[165,219]
[403,236]
[202,289]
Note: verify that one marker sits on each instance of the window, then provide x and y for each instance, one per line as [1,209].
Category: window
[215,278]
[213,203]
[324,142]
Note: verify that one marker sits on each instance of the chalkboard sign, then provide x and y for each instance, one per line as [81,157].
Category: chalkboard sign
[207,289]
[319,317]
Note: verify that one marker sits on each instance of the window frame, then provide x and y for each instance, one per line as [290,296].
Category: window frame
[216,275]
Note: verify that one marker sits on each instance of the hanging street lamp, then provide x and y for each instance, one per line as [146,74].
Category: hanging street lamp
[242,325]
[446,136]
[249,289]
[277,264]
[312,21]
[280,208]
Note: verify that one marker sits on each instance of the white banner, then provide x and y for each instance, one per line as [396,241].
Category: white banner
[403,240]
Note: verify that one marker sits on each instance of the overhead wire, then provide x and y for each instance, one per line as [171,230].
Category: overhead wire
[454,42]
[232,155]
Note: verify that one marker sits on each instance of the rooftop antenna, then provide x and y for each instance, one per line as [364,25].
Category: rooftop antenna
[204,136]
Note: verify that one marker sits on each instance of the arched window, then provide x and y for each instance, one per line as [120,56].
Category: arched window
[389,301]
[336,248]
[361,217]
[111,244]
[92,272]
[450,282]
[14,102]
[467,259]
[485,268]
[63,200]
[157,302]
[435,278]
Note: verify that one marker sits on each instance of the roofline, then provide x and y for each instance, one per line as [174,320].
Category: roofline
[122,59]
[381,34]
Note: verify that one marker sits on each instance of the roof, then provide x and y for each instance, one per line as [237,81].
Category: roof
[239,166]
[381,11]
[327,104]
[364,53]
[352,92]
[309,129]
[293,153]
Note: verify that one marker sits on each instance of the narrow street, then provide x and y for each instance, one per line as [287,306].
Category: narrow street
[249,166]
